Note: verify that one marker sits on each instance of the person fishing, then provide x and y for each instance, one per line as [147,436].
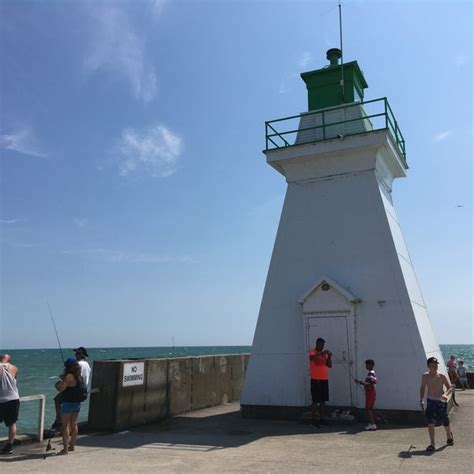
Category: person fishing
[9,400]
[437,401]
[319,364]
[462,373]
[81,357]
[370,393]
[452,366]
[72,388]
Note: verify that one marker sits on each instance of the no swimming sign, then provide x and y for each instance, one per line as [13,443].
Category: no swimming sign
[133,374]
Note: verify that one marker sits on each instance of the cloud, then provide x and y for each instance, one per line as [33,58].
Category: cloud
[119,48]
[79,223]
[9,221]
[23,245]
[118,256]
[305,59]
[22,141]
[442,136]
[461,59]
[286,82]
[155,150]
[157,6]
[283,89]
[121,257]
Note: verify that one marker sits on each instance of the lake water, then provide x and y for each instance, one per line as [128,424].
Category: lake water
[39,369]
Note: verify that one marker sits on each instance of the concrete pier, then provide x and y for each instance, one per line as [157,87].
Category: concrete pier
[217,439]
[157,388]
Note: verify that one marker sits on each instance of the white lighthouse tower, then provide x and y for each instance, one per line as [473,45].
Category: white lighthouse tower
[340,267]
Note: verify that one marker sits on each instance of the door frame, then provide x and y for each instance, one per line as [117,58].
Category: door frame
[351,343]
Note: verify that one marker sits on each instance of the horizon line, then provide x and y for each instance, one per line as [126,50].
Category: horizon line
[172,347]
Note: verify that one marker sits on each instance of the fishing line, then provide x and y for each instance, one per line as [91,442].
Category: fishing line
[352,377]
[377,414]
[56,331]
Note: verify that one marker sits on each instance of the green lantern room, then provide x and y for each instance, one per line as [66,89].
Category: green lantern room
[336,109]
[325,85]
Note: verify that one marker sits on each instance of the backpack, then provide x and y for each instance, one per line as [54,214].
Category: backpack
[80,392]
[82,396]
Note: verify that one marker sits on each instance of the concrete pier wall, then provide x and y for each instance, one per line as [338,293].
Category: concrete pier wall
[167,387]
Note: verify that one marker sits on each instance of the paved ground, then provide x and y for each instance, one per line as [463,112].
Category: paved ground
[218,440]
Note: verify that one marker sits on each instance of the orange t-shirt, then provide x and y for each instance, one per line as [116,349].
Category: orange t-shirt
[318,368]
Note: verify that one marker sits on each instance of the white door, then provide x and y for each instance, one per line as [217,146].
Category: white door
[334,331]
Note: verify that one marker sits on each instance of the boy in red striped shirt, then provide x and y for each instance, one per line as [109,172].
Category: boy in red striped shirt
[370,393]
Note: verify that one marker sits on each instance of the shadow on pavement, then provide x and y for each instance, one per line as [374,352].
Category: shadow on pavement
[204,433]
[15,457]
[420,452]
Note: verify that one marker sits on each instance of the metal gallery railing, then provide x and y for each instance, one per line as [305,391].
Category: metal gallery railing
[324,124]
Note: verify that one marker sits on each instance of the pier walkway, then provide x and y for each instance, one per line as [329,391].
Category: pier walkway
[219,440]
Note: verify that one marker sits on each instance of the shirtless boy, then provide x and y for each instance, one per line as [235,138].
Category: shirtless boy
[436,402]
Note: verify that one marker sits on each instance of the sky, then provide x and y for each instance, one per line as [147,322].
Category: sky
[135,197]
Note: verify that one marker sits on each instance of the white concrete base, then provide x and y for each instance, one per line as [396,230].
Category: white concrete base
[339,226]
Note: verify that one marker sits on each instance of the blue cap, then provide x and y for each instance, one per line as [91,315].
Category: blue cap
[69,361]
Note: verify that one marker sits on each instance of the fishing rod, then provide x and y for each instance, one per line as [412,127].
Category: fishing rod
[352,377]
[56,331]
[377,414]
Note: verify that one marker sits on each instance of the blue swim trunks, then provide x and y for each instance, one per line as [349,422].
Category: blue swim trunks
[70,407]
[436,411]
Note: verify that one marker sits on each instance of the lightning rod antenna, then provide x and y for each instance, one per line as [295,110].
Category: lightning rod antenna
[342,54]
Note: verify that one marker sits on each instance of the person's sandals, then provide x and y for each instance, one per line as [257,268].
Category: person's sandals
[63,452]
[430,448]
[450,441]
[7,449]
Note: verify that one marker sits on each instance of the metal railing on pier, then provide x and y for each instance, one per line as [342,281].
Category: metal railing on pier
[41,409]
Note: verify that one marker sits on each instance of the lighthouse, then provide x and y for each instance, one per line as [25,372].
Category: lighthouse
[340,267]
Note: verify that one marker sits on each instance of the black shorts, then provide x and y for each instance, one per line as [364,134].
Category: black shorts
[436,412]
[319,390]
[9,412]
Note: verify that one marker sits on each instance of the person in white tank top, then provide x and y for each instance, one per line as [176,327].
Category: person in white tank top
[9,400]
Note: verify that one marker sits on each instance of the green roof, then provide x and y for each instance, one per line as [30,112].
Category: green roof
[324,85]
